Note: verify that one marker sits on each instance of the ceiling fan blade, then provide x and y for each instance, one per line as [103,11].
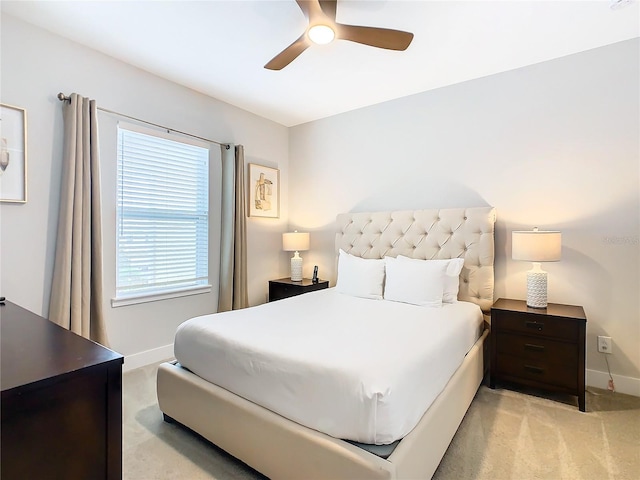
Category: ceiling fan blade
[289,54]
[375,37]
[329,8]
[304,6]
[312,10]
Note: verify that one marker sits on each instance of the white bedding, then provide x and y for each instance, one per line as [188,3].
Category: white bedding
[353,368]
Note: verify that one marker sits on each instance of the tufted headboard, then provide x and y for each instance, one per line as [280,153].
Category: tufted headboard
[428,234]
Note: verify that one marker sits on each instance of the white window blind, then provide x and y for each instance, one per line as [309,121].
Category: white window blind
[162,214]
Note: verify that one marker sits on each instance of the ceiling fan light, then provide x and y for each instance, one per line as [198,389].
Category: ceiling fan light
[321,34]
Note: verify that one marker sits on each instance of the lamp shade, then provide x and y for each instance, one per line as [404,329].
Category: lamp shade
[295,241]
[536,245]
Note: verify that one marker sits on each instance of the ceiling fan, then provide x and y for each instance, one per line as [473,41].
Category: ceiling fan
[323,29]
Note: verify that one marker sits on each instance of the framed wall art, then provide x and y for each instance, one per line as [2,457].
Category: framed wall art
[13,154]
[264,191]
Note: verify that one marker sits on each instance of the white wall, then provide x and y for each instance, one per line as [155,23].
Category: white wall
[36,65]
[554,145]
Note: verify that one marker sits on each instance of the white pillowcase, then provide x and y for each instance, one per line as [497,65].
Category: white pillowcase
[418,283]
[360,277]
[452,278]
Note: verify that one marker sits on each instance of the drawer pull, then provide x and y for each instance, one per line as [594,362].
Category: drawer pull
[532,369]
[535,325]
[535,348]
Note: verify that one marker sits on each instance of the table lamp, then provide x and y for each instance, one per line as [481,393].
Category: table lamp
[295,242]
[536,246]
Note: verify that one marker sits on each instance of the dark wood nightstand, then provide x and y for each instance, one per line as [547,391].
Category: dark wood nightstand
[285,287]
[539,347]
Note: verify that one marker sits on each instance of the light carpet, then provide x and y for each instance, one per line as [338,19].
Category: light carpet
[506,435]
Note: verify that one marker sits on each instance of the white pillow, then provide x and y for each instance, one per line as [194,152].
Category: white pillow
[418,283]
[452,278]
[360,277]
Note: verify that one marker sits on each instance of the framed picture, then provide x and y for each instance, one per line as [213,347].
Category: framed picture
[13,154]
[264,191]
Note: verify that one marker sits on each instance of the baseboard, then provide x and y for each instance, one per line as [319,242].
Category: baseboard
[147,357]
[628,385]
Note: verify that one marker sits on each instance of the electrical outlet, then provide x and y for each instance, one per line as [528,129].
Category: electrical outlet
[604,344]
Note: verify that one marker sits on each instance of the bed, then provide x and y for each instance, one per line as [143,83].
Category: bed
[279,447]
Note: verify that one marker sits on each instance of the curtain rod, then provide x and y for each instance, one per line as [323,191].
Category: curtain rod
[63,98]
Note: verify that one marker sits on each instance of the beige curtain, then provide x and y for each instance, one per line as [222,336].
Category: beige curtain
[233,242]
[76,291]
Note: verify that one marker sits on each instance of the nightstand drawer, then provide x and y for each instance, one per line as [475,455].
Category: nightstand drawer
[540,371]
[285,291]
[537,349]
[537,325]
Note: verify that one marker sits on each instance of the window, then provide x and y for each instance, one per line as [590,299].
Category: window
[162,214]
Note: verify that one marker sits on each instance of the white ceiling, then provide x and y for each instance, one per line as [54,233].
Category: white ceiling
[219,47]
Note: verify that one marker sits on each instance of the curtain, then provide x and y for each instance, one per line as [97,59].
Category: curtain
[76,290]
[233,241]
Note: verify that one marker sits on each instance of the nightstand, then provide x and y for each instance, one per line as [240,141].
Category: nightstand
[285,287]
[539,347]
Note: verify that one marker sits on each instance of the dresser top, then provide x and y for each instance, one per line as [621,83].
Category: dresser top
[33,349]
[553,309]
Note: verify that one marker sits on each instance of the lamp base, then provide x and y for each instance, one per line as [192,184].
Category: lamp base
[296,268]
[536,287]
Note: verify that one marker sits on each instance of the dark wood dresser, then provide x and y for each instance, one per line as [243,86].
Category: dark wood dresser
[61,403]
[539,347]
[285,287]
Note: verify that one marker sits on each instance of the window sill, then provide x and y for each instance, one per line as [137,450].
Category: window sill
[133,300]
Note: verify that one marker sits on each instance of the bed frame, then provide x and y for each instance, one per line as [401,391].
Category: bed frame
[280,448]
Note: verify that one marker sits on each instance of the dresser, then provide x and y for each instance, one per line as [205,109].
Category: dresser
[541,348]
[61,403]
[285,287]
